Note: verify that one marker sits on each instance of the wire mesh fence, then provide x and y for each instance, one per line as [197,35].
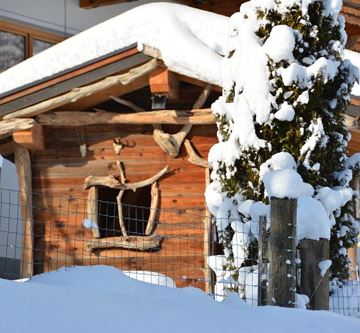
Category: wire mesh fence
[175,248]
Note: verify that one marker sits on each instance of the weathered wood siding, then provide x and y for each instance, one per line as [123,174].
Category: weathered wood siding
[60,201]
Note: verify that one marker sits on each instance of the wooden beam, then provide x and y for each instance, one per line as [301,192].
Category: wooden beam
[164,82]
[32,139]
[23,168]
[113,182]
[175,117]
[84,92]
[198,83]
[139,243]
[88,4]
[8,127]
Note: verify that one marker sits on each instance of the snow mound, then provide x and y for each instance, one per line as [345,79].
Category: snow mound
[102,299]
[151,277]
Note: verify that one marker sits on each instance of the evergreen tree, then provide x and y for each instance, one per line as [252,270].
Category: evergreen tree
[286,89]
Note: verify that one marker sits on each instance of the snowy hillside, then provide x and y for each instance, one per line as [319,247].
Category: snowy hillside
[101,299]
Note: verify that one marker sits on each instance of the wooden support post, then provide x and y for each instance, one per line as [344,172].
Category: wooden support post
[352,252]
[164,82]
[282,250]
[315,286]
[23,168]
[209,278]
[32,139]
[262,270]
[92,211]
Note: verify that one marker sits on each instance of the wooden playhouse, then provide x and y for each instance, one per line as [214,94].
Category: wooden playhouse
[111,161]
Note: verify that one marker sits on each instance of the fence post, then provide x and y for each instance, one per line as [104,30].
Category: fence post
[262,266]
[315,286]
[282,251]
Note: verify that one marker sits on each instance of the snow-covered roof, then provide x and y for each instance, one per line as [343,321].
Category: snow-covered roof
[191,42]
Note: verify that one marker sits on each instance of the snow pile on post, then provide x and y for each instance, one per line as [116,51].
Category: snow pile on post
[281,125]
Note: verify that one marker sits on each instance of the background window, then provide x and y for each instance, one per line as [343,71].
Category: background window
[39,46]
[12,49]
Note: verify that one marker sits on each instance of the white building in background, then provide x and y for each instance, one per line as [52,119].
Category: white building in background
[10,221]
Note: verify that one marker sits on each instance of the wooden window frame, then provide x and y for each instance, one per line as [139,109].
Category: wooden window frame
[30,33]
[146,242]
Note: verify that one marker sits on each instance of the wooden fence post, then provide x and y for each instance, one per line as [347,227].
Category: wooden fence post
[262,267]
[282,250]
[315,286]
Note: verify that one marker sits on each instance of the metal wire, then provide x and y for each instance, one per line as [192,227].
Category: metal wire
[63,237]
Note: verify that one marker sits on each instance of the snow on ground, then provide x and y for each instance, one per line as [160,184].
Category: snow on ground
[151,277]
[191,42]
[102,299]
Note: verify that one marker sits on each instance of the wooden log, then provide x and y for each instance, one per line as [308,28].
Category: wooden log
[151,52]
[208,238]
[171,117]
[78,93]
[92,211]
[193,157]
[119,197]
[113,182]
[127,103]
[171,143]
[10,126]
[23,168]
[282,250]
[31,139]
[139,243]
[153,208]
[315,286]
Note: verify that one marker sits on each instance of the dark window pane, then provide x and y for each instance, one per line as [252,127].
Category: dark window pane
[12,49]
[39,46]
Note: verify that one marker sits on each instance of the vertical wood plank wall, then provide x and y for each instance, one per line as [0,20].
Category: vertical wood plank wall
[60,201]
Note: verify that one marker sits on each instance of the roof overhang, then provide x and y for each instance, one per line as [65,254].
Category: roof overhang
[65,81]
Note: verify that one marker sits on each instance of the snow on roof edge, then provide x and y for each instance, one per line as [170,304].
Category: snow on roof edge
[188,39]
[65,71]
[196,51]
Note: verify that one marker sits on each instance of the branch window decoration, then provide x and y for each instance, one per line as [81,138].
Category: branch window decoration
[123,214]
[135,213]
